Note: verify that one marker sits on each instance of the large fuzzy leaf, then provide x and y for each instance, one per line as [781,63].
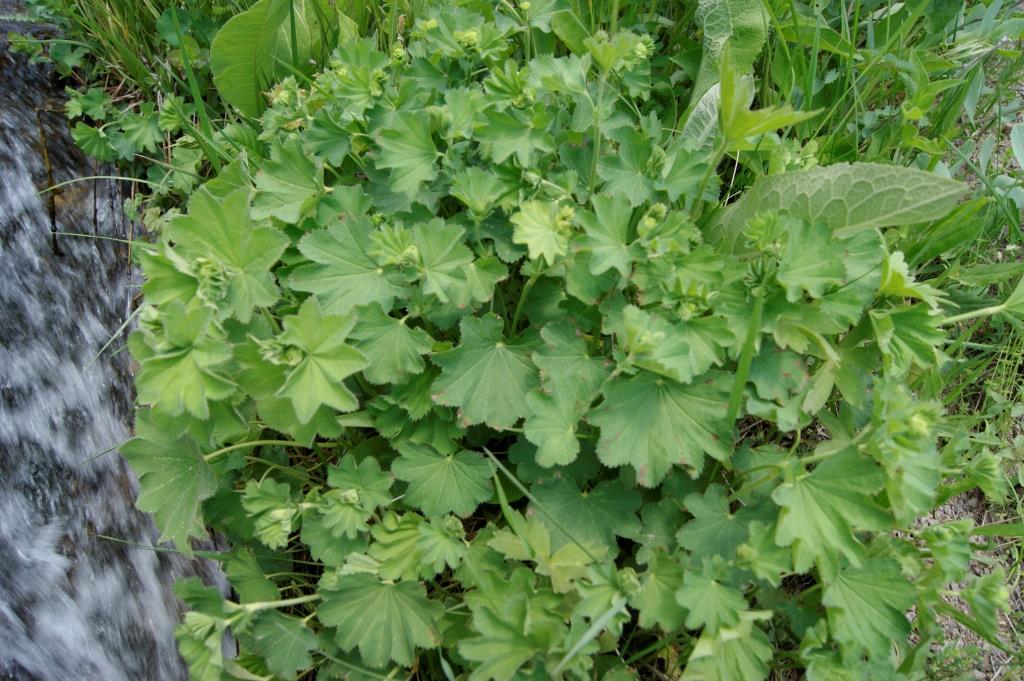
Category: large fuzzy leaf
[245,52]
[742,25]
[845,197]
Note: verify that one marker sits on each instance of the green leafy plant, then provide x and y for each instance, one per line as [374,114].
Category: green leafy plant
[487,372]
[253,46]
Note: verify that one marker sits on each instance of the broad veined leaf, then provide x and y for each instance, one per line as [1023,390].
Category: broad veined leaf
[679,351]
[486,377]
[702,125]
[442,543]
[168,276]
[715,529]
[264,365]
[408,150]
[740,24]
[174,479]
[272,510]
[565,366]
[781,381]
[821,509]
[392,348]
[738,652]
[326,360]
[656,598]
[395,547]
[867,606]
[812,261]
[543,228]
[607,230]
[592,517]
[363,477]
[559,74]
[762,556]
[342,274]
[845,197]
[909,336]
[385,621]
[142,129]
[242,55]
[738,121]
[356,79]
[861,254]
[462,106]
[500,648]
[604,596]
[93,103]
[570,31]
[442,259]
[950,547]
[1014,304]
[202,629]
[232,177]
[342,514]
[660,521]
[625,173]
[247,577]
[181,373]
[710,603]
[987,595]
[289,185]
[237,254]
[653,423]
[539,14]
[521,134]
[478,189]
[460,33]
[898,282]
[551,425]
[686,167]
[612,53]
[903,441]
[439,483]
[328,138]
[284,642]
[482,275]
[245,53]
[532,542]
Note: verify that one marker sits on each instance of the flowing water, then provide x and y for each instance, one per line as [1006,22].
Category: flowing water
[74,603]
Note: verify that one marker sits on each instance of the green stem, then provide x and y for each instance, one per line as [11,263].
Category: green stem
[712,167]
[255,443]
[273,605]
[746,359]
[597,130]
[973,314]
[522,299]
[210,148]
[294,32]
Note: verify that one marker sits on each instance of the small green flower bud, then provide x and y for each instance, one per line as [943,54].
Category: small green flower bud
[468,39]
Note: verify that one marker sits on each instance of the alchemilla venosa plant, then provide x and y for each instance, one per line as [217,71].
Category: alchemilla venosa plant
[486,372]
